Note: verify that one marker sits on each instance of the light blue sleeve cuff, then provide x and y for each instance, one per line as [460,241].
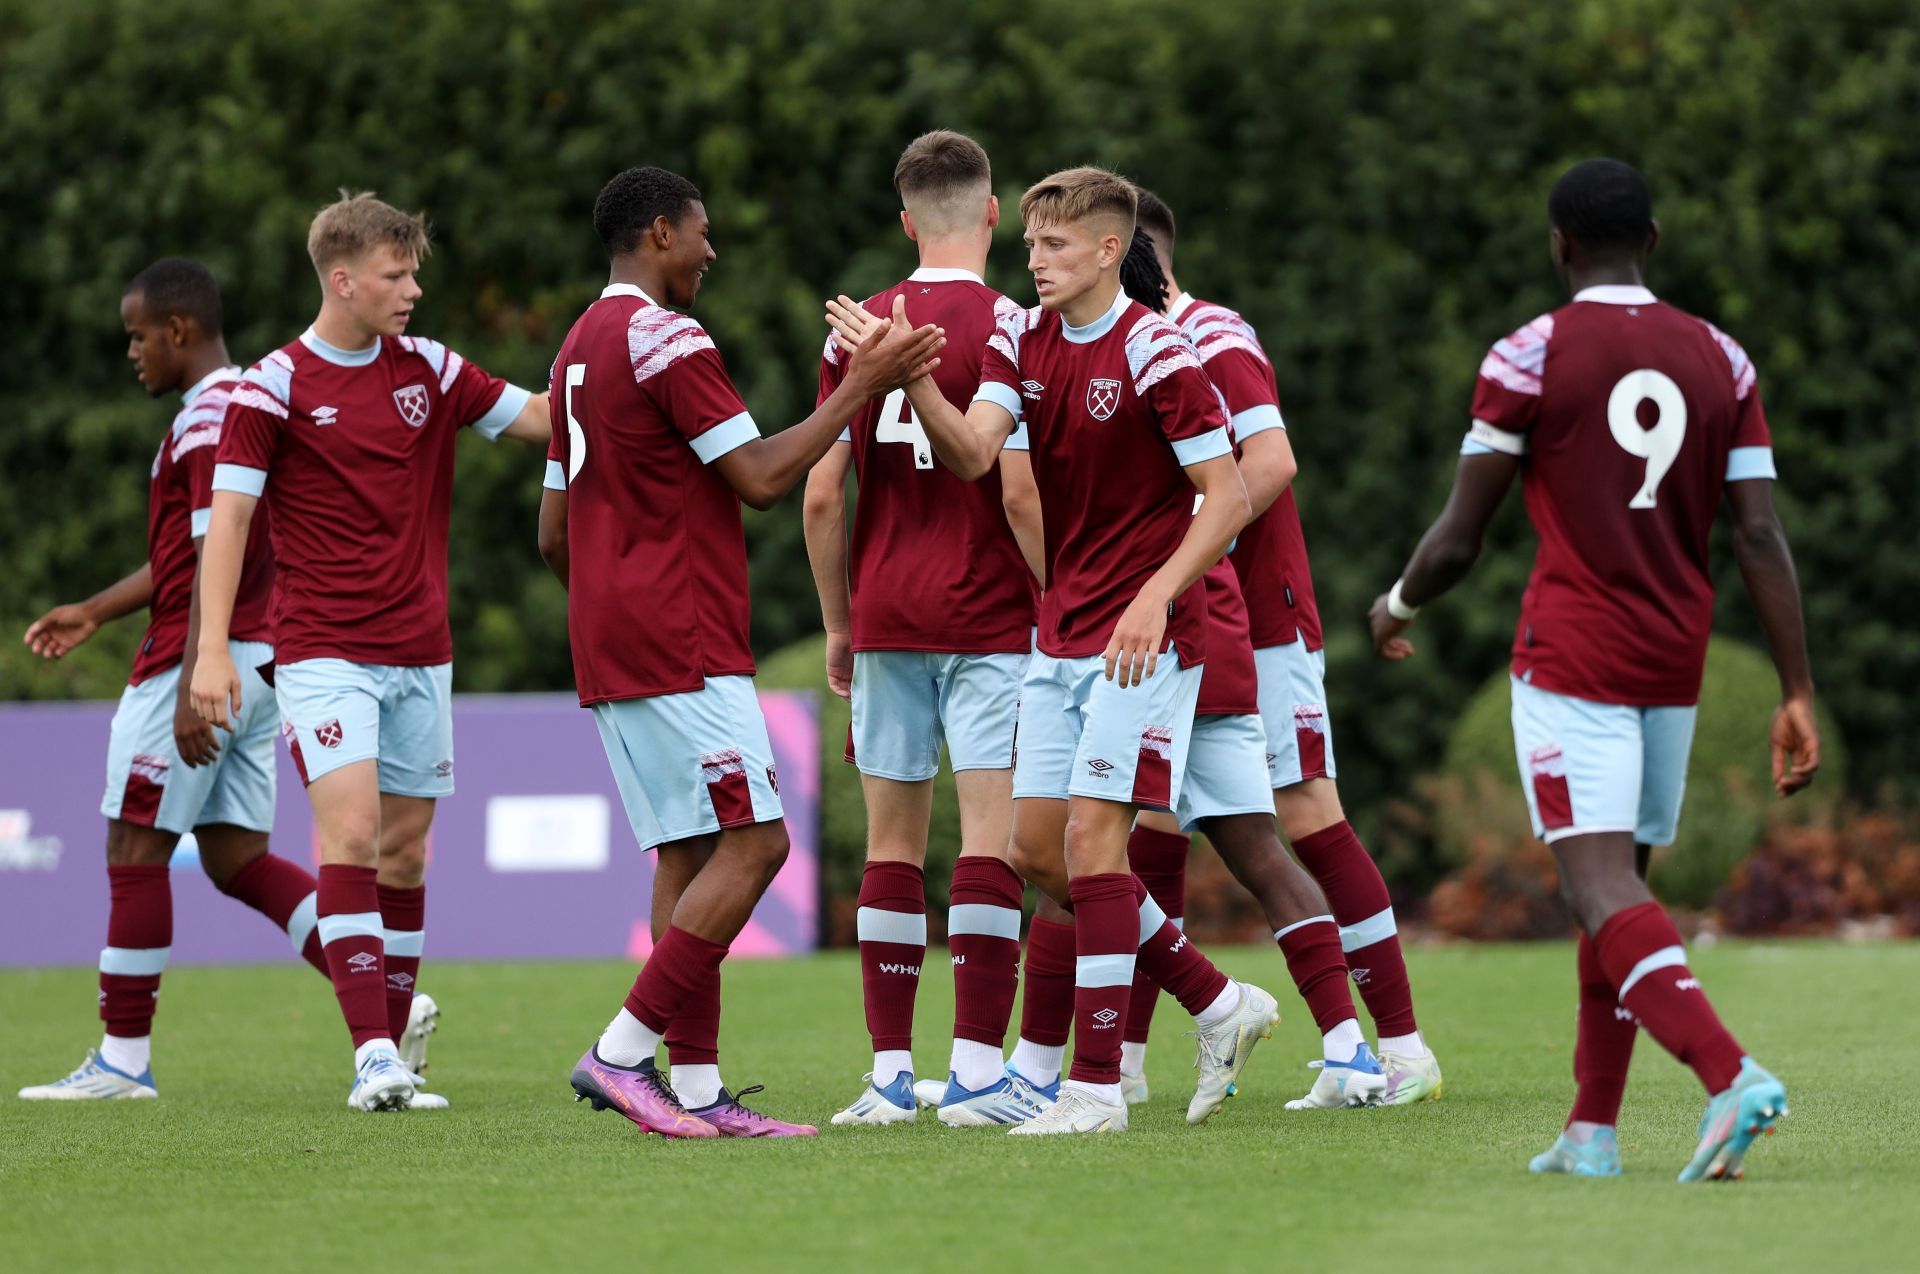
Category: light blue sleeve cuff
[1005,397]
[1212,443]
[201,519]
[1747,463]
[1256,420]
[846,435]
[240,478]
[556,479]
[1471,447]
[1017,440]
[735,431]
[502,413]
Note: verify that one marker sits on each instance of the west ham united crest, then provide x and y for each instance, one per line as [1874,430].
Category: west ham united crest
[1102,397]
[329,734]
[412,402]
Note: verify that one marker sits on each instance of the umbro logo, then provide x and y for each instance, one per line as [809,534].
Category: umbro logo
[1360,976]
[362,961]
[400,981]
[1101,768]
[325,415]
[1031,388]
[1106,1018]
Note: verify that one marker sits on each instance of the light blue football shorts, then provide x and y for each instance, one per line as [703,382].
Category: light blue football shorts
[691,764]
[906,704]
[1082,735]
[335,712]
[149,785]
[1293,706]
[1591,767]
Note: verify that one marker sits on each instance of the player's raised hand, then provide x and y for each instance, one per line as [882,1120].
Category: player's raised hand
[61,629]
[216,686]
[1795,738]
[1133,652]
[852,324]
[894,353]
[1387,640]
[197,742]
[840,664]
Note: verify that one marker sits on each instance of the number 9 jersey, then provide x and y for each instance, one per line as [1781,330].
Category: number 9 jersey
[1632,417]
[933,565]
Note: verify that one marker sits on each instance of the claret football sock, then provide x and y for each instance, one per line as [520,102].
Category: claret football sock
[1046,1004]
[693,1037]
[680,966]
[139,940]
[285,893]
[403,915]
[1603,1048]
[351,934]
[1159,859]
[983,939]
[1169,958]
[1357,895]
[1641,954]
[1106,926]
[892,928]
[1312,949]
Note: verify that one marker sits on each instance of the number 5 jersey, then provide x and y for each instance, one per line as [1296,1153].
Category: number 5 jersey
[1632,417]
[933,565]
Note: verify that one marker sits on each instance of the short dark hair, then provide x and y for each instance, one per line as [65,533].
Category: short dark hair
[628,205]
[1156,218]
[1140,273]
[940,164]
[1603,205]
[177,286]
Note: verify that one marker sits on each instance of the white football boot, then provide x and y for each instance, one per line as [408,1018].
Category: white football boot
[381,1083]
[1075,1110]
[1223,1049]
[423,1019]
[94,1080]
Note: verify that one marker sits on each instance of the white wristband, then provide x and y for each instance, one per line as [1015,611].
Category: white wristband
[1397,606]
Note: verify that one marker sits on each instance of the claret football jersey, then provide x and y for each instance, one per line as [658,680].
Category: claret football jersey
[1113,412]
[657,555]
[1270,555]
[1631,416]
[355,450]
[933,565]
[180,498]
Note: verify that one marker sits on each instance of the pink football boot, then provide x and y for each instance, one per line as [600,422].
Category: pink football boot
[735,1120]
[638,1092]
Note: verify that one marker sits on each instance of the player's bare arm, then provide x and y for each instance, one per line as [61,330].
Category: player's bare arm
[553,532]
[1134,649]
[533,424]
[1020,496]
[65,627]
[1766,565]
[824,519]
[1267,467]
[765,469]
[966,442]
[1446,552]
[216,682]
[197,742]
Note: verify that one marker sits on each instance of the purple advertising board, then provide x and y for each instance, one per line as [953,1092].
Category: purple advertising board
[531,858]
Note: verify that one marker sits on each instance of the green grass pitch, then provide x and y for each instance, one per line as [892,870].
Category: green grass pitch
[250,1159]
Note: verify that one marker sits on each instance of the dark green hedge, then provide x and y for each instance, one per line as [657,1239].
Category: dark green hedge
[1363,178]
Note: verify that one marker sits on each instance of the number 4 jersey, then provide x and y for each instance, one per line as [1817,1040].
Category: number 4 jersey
[933,566]
[1632,417]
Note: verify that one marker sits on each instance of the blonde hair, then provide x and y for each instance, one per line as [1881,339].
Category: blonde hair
[1081,194]
[944,179]
[350,228]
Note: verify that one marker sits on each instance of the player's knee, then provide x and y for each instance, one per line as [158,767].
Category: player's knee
[1037,863]
[129,845]
[404,863]
[765,847]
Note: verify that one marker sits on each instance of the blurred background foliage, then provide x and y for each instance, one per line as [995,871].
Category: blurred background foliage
[1364,179]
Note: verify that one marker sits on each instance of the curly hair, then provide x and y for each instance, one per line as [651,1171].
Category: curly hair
[629,204]
[177,286]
